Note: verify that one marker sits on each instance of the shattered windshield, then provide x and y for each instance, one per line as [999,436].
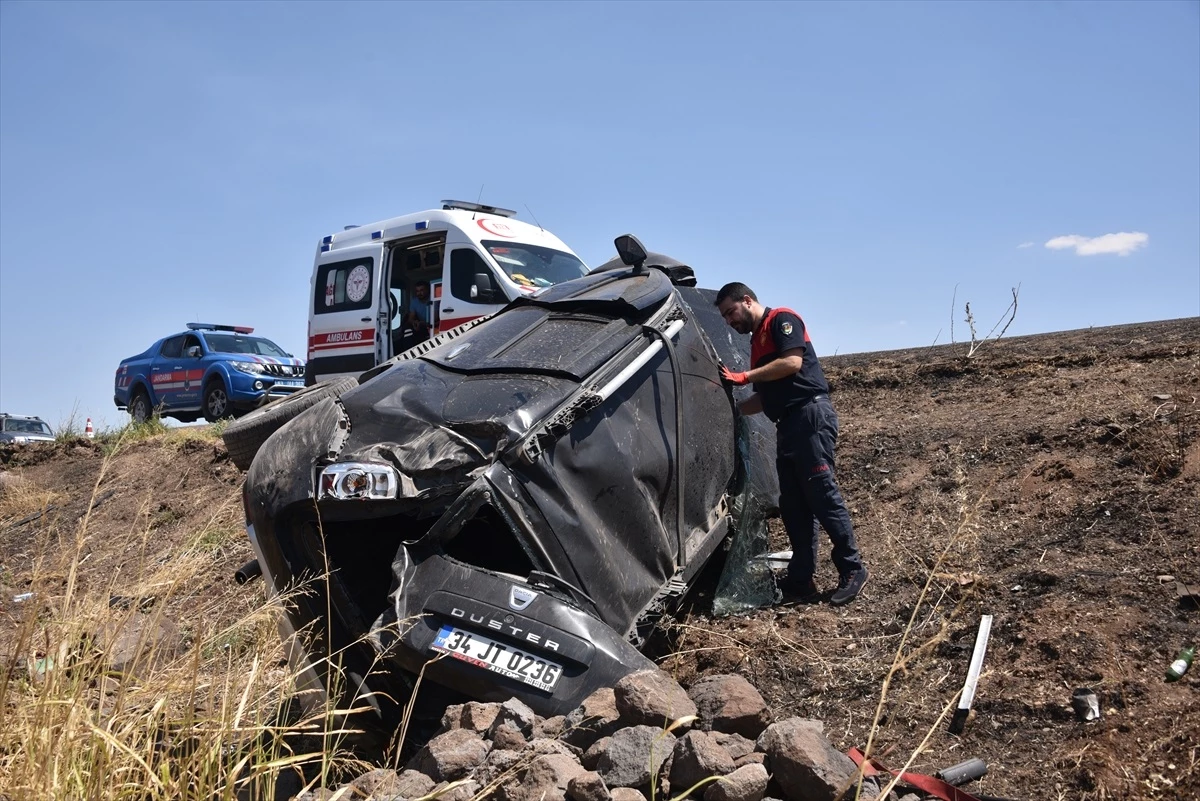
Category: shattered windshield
[235,343]
[534,266]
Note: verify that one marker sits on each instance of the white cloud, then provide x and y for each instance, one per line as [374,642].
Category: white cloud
[1025,245]
[1122,244]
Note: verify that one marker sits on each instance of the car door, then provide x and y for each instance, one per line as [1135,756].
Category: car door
[167,374]
[349,305]
[193,372]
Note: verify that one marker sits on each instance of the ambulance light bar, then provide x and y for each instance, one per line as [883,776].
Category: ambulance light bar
[463,205]
[237,329]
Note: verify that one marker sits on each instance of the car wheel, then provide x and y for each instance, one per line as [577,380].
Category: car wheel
[244,436]
[139,407]
[216,401]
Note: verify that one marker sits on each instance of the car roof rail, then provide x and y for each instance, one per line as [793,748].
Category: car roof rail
[240,329]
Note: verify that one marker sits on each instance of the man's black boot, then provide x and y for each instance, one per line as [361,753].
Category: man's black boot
[805,592]
[849,586]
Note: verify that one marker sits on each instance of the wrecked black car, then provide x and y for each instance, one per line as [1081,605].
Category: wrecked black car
[508,510]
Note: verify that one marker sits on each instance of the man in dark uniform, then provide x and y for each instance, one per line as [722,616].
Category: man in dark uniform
[790,388]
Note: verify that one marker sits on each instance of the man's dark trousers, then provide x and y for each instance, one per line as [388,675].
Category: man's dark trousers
[808,492]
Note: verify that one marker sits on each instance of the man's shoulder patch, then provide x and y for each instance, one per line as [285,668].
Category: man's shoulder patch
[786,328]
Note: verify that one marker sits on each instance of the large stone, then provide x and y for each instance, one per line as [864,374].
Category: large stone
[748,783]
[452,755]
[591,757]
[625,794]
[587,786]
[461,790]
[729,703]
[518,714]
[550,727]
[381,784]
[735,744]
[806,765]
[133,644]
[544,745]
[696,756]
[595,718]
[473,715]
[498,765]
[414,784]
[633,754]
[546,779]
[507,737]
[652,698]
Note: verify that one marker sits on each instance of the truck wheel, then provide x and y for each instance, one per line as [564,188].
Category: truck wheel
[244,436]
[216,401]
[139,407]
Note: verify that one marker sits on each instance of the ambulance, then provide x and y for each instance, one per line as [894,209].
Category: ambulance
[381,289]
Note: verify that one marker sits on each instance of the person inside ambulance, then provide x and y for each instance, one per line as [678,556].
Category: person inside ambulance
[418,312]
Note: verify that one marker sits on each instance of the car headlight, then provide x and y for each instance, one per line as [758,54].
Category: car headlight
[358,481]
[253,368]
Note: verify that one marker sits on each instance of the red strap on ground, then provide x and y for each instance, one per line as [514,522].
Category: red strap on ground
[929,784]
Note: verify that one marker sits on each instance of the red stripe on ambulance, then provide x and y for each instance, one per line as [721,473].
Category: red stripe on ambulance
[341,339]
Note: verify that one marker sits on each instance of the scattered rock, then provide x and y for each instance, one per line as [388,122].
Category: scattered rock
[547,778]
[413,784]
[625,794]
[136,643]
[452,755]
[587,786]
[697,756]
[633,754]
[730,704]
[652,698]
[735,745]
[593,719]
[378,783]
[461,790]
[473,715]
[806,765]
[517,714]
[748,783]
[507,737]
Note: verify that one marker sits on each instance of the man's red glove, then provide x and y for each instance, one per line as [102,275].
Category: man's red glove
[732,377]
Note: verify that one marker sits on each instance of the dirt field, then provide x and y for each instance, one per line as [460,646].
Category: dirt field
[1050,481]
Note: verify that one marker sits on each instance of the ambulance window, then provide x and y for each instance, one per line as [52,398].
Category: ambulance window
[343,286]
[172,348]
[464,264]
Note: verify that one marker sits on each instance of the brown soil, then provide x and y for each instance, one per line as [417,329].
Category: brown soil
[1048,481]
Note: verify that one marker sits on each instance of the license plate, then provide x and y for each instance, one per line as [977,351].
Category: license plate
[289,383]
[498,658]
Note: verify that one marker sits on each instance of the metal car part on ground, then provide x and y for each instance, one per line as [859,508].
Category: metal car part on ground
[509,513]
[209,371]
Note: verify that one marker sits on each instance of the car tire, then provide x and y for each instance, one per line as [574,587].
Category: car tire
[216,401]
[140,410]
[244,436]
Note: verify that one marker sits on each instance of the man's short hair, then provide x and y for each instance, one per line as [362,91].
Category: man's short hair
[421,283]
[735,290]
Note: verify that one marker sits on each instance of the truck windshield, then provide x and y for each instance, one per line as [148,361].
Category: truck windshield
[234,343]
[27,427]
[534,266]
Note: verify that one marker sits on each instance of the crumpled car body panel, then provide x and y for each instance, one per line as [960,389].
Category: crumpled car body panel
[563,472]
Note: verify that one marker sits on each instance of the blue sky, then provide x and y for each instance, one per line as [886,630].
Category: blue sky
[863,163]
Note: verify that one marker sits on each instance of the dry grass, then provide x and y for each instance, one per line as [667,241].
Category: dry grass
[20,498]
[106,694]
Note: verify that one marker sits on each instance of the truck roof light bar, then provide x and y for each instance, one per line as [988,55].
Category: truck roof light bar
[237,329]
